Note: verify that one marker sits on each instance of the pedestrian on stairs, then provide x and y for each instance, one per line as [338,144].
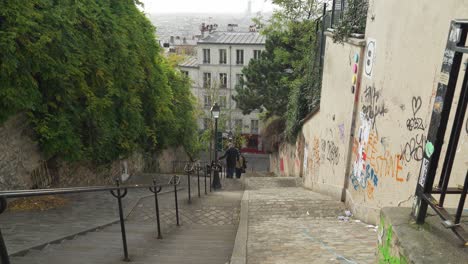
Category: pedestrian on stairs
[232,156]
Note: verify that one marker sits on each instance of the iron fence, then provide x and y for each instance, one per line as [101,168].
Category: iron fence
[446,91]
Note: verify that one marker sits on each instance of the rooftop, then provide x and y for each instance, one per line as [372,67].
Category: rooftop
[190,62]
[225,37]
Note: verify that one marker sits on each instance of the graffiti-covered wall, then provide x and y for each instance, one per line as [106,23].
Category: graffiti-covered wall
[366,144]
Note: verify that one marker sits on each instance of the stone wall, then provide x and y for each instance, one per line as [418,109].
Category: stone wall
[19,154]
[22,165]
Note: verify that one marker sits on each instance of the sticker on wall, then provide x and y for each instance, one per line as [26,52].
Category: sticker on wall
[429,149]
[371,48]
[356,58]
[439,102]
[424,168]
[355,67]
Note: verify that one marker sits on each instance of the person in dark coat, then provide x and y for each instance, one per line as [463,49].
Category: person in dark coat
[232,156]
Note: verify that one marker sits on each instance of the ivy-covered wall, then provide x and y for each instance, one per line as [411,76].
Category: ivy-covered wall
[90,76]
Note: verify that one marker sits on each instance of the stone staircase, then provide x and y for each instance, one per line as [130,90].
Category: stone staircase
[186,244]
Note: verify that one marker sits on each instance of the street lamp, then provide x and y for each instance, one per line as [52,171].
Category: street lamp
[215,111]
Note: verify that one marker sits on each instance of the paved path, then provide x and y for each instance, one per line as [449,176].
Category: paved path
[206,235]
[293,225]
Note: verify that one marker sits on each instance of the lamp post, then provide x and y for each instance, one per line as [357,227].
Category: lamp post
[215,111]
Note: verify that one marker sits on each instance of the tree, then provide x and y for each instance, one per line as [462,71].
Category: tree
[284,81]
[91,78]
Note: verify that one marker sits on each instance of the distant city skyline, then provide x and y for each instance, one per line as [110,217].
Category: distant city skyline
[205,6]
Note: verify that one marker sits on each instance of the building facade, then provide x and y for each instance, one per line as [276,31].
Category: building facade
[215,72]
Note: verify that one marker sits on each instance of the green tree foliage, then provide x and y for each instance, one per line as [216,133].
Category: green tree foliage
[354,20]
[90,75]
[284,82]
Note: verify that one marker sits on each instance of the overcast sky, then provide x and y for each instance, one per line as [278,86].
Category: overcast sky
[205,6]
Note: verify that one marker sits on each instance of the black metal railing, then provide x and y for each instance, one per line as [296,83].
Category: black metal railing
[118,191]
[202,169]
[451,63]
[178,166]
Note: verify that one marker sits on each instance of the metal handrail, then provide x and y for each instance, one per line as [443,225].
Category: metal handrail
[118,191]
[42,192]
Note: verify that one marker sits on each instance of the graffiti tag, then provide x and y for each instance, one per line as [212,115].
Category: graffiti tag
[372,106]
[414,148]
[414,122]
[331,151]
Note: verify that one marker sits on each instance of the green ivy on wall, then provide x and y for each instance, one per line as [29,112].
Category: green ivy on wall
[385,246]
[91,77]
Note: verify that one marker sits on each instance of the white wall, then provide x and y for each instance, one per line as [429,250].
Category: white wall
[231,69]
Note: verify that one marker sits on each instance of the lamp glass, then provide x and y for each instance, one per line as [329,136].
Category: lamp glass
[215,110]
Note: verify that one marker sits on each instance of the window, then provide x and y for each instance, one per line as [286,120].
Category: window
[239,79]
[238,124]
[222,101]
[222,80]
[206,56]
[184,73]
[254,126]
[206,123]
[240,57]
[207,101]
[222,56]
[257,54]
[206,80]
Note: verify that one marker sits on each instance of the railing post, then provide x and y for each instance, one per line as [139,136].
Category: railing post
[205,179]
[461,203]
[189,190]
[119,197]
[3,249]
[198,179]
[156,189]
[176,202]
[210,171]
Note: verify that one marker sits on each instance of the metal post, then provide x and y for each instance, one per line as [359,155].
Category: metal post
[176,203]
[216,181]
[3,250]
[189,191]
[322,37]
[119,197]
[461,203]
[333,13]
[198,179]
[205,179]
[454,138]
[342,8]
[155,190]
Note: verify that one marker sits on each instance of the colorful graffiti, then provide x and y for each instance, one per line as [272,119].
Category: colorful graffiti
[372,163]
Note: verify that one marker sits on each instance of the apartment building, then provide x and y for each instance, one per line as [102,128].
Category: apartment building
[217,70]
